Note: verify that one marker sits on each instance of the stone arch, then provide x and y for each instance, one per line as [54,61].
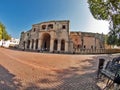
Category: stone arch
[36,47]
[55,44]
[43,27]
[28,44]
[32,44]
[24,45]
[46,41]
[50,26]
[79,46]
[62,45]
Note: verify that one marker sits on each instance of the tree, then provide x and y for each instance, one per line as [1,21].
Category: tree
[112,40]
[3,33]
[107,10]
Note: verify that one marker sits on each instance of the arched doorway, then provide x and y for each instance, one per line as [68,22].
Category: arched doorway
[55,44]
[46,42]
[62,45]
[36,47]
[28,44]
[24,45]
[32,43]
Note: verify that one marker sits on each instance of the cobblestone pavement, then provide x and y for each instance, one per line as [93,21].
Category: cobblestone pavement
[21,70]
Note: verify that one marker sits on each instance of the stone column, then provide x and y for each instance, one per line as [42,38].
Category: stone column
[59,45]
[25,45]
[66,46]
[51,45]
[30,44]
[34,46]
[39,44]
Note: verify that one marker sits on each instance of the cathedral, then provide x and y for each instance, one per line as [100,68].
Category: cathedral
[54,36]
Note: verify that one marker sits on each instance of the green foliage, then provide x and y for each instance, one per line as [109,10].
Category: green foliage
[107,10]
[118,42]
[99,9]
[111,40]
[3,33]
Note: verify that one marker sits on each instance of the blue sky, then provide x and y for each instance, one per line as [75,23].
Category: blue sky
[20,15]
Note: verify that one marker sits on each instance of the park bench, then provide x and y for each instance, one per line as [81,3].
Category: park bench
[110,70]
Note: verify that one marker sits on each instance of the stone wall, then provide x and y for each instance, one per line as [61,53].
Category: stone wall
[54,36]
[85,40]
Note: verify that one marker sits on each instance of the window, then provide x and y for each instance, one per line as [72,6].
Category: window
[95,47]
[78,46]
[27,34]
[34,29]
[92,47]
[84,46]
[63,27]
[43,27]
[101,46]
[76,40]
[50,26]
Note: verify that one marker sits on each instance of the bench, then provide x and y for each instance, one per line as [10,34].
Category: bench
[111,70]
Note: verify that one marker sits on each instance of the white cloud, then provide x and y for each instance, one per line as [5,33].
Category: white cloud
[97,26]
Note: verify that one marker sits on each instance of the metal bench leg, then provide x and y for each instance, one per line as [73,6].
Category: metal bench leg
[108,84]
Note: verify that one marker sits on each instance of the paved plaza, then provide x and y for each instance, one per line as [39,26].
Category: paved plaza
[22,70]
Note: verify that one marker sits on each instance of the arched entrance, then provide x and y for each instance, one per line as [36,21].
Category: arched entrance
[36,47]
[62,45]
[55,44]
[46,42]
[24,45]
[28,44]
[32,43]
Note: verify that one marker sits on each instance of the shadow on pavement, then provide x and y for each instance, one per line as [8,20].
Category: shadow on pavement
[70,78]
[7,80]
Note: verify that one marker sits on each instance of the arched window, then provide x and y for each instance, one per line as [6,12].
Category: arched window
[50,26]
[92,47]
[43,27]
[84,46]
[63,26]
[78,46]
[27,34]
[34,29]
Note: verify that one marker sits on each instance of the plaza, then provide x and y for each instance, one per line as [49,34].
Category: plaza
[22,70]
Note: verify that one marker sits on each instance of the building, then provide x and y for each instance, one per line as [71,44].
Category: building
[87,40]
[54,36]
[13,42]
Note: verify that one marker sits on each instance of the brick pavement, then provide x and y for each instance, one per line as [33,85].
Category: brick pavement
[21,70]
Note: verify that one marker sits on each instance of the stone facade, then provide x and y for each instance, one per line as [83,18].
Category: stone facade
[85,40]
[54,36]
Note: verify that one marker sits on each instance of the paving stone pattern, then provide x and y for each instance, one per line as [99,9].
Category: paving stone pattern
[21,70]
